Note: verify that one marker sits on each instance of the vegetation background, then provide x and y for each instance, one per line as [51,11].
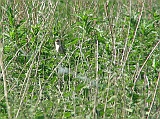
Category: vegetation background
[111,68]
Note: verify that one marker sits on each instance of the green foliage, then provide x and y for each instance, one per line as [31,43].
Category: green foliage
[122,42]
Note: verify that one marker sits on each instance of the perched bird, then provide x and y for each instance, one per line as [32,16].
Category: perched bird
[59,47]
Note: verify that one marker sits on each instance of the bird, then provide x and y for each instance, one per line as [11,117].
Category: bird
[59,47]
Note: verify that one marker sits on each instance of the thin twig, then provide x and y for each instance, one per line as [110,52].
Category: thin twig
[97,80]
[111,31]
[4,81]
[27,77]
[135,33]
[136,77]
[154,96]
[126,40]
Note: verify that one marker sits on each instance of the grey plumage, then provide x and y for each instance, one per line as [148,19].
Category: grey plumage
[59,46]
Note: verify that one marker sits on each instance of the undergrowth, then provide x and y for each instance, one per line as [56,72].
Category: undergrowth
[111,68]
